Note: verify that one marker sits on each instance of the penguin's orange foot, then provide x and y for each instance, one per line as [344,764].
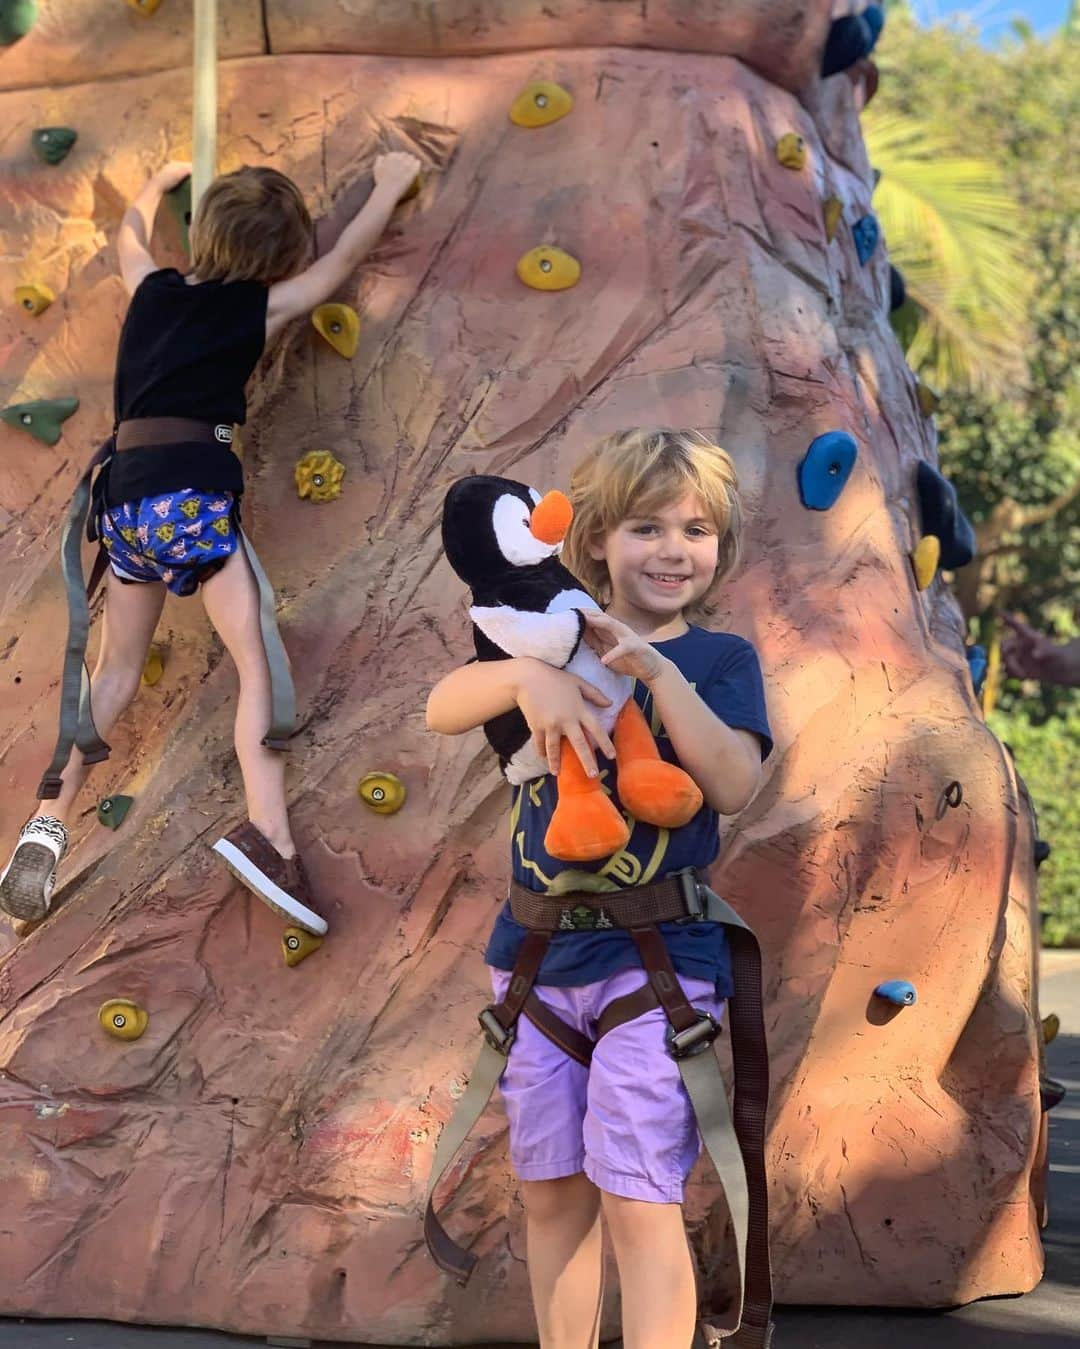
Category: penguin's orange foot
[659,793]
[585,828]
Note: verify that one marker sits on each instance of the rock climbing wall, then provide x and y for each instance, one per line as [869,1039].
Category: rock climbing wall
[256,1159]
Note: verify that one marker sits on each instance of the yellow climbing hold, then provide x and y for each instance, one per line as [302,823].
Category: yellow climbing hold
[1050,1026]
[382,793]
[34,299]
[548,268]
[791,150]
[153,667]
[832,210]
[540,104]
[928,399]
[297,945]
[340,325]
[145,6]
[925,560]
[123,1018]
[318,476]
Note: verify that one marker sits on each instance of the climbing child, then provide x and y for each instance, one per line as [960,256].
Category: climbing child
[166,499]
[655,530]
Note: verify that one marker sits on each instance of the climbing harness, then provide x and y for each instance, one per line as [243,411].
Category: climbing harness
[734,1139]
[76,715]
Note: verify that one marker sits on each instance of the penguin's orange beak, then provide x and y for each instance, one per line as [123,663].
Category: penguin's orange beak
[551,518]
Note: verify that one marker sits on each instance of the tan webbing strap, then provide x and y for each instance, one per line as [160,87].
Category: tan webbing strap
[282,693]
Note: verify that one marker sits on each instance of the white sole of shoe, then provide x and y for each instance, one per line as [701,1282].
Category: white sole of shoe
[26,884]
[245,871]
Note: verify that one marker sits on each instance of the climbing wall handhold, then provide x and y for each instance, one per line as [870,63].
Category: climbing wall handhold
[791,150]
[866,234]
[42,417]
[1051,1024]
[382,793]
[340,325]
[540,104]
[548,268]
[124,1019]
[874,17]
[34,299]
[940,514]
[297,945]
[153,666]
[112,810]
[825,469]
[897,991]
[897,289]
[144,6]
[925,560]
[16,19]
[832,210]
[1042,852]
[850,39]
[318,476]
[413,190]
[978,663]
[179,203]
[928,400]
[51,144]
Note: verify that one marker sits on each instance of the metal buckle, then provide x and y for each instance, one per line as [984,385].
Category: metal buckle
[695,1039]
[495,1033]
[690,889]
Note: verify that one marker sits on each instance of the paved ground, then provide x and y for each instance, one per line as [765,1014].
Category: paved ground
[1048,1318]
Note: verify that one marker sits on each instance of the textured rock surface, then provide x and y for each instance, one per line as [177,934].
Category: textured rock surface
[256,1161]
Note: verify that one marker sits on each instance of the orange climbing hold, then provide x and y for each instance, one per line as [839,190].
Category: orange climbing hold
[34,299]
[318,476]
[832,210]
[791,150]
[925,560]
[548,268]
[144,6]
[340,325]
[540,104]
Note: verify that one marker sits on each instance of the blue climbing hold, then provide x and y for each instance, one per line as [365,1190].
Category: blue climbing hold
[866,234]
[897,289]
[825,469]
[897,991]
[941,515]
[851,38]
[874,18]
[978,663]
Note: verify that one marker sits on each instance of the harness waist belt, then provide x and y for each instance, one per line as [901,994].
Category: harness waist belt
[137,432]
[674,898]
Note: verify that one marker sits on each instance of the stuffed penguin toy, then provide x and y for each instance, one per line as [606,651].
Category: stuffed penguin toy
[502,539]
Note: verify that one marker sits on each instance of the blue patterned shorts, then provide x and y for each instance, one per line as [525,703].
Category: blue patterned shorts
[181,538]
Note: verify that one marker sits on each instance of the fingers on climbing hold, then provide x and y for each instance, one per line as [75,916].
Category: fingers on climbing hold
[540,104]
[122,1018]
[382,792]
[52,144]
[548,268]
[925,559]
[940,515]
[153,666]
[832,209]
[16,19]
[144,6]
[42,417]
[112,810]
[791,150]
[340,325]
[897,991]
[897,289]
[929,401]
[867,234]
[825,469]
[297,945]
[34,299]
[318,476]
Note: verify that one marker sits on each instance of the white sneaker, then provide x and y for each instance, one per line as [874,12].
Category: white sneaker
[26,883]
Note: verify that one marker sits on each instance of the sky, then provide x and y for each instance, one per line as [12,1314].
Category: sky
[993,17]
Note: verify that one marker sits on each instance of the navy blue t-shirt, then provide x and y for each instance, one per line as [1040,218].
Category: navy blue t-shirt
[724,671]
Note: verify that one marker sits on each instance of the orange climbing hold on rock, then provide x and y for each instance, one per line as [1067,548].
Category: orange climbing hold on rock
[791,150]
[318,476]
[34,299]
[340,325]
[548,268]
[144,6]
[540,104]
[832,210]
[925,560]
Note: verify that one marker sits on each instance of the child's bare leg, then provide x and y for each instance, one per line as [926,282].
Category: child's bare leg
[656,1273]
[231,598]
[565,1260]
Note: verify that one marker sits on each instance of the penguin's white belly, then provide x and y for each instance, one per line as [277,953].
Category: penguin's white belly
[587,664]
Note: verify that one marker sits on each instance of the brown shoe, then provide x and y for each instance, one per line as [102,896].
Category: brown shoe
[278,881]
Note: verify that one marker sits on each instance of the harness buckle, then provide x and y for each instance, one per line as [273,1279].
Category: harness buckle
[690,889]
[495,1033]
[695,1039]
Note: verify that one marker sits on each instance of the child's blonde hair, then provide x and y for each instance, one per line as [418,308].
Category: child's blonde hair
[636,473]
[250,225]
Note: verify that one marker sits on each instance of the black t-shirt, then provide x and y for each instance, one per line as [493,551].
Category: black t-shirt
[185,351]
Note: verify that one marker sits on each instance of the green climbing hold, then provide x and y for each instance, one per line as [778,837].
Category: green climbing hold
[179,200]
[51,144]
[42,417]
[112,811]
[16,19]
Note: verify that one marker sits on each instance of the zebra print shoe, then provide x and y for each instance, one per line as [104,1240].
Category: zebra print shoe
[26,883]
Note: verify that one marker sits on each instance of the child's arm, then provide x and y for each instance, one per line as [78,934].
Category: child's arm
[724,762]
[553,702]
[394,175]
[133,241]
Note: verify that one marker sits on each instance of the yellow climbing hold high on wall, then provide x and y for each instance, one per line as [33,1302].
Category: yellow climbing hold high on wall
[540,104]
[34,299]
[925,560]
[1051,1024]
[318,476]
[548,268]
[340,325]
[144,6]
[382,793]
[297,945]
[153,667]
[123,1018]
[791,150]
[928,399]
[832,210]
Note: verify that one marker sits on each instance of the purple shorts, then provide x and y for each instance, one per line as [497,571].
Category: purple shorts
[626,1121]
